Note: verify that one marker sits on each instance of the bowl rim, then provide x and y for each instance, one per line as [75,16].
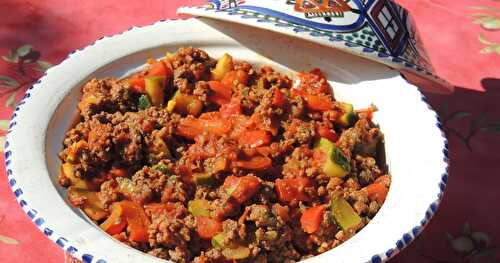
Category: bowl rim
[86,257]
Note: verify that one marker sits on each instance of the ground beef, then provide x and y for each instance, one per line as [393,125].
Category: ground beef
[148,183]
[108,95]
[298,131]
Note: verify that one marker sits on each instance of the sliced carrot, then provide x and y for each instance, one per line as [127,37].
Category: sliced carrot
[241,188]
[137,219]
[221,93]
[293,189]
[377,192]
[279,99]
[115,223]
[207,227]
[311,218]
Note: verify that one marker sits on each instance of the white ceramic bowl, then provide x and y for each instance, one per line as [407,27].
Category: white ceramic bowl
[415,147]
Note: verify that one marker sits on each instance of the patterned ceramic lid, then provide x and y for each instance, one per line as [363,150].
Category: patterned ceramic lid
[379,30]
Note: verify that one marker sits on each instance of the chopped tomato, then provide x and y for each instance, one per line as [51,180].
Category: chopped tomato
[319,102]
[385,180]
[313,82]
[186,174]
[191,127]
[137,83]
[279,99]
[137,219]
[324,131]
[171,210]
[255,138]
[241,188]
[228,208]
[264,150]
[256,163]
[290,190]
[159,69]
[117,172]
[377,192]
[311,218]
[207,227]
[229,78]
[231,108]
[221,93]
[281,211]
[158,207]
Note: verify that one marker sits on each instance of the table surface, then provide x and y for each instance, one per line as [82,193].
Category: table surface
[463,44]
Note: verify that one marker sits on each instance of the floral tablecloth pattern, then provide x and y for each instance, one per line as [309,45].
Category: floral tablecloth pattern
[462,38]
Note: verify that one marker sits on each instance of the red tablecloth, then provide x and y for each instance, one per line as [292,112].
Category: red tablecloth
[471,115]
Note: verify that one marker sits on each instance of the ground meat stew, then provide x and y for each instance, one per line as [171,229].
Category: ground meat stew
[201,160]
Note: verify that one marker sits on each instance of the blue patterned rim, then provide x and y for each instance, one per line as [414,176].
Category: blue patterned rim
[66,246]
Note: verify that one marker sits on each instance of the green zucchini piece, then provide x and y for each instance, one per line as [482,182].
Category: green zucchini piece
[344,214]
[348,117]
[218,240]
[155,88]
[239,252]
[336,163]
[162,168]
[199,207]
[205,179]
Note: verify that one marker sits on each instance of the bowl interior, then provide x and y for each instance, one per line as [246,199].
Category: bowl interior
[413,142]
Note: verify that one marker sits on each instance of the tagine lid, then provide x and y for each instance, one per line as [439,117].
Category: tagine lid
[379,30]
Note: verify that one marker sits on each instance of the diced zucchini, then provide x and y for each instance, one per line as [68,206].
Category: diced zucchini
[171,105]
[144,102]
[162,168]
[185,104]
[232,251]
[169,56]
[69,171]
[239,252]
[155,88]
[344,214]
[88,201]
[348,117]
[336,163]
[205,179]
[199,207]
[223,66]
[218,240]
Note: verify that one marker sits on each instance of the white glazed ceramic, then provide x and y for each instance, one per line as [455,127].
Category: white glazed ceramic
[415,147]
